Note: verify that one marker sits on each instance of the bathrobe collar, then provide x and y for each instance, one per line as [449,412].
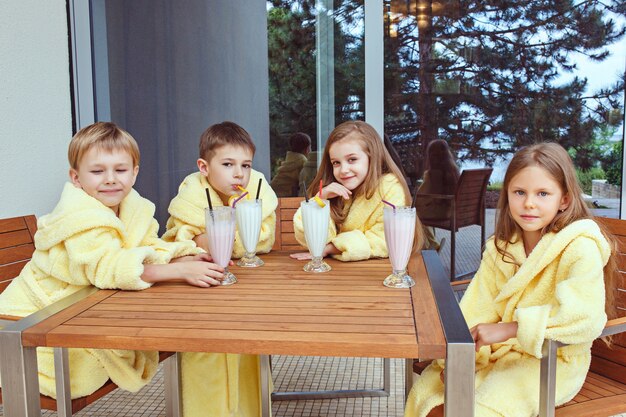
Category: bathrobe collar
[77,212]
[549,247]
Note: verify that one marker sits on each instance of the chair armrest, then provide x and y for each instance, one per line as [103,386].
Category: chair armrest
[548,367]
[438,196]
[614,326]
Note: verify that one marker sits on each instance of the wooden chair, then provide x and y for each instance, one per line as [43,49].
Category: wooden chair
[604,390]
[285,237]
[16,248]
[467,208]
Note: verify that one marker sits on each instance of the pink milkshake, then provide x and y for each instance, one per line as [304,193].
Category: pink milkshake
[399,234]
[220,230]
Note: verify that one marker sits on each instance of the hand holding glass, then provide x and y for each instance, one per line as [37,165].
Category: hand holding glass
[220,230]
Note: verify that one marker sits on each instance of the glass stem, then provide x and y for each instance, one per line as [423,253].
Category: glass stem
[317,261]
[399,272]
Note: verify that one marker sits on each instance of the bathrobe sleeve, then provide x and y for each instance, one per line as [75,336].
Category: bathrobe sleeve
[166,251]
[268,224]
[369,242]
[575,313]
[477,304]
[187,209]
[96,257]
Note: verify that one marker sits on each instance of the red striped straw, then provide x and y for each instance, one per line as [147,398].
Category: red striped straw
[389,204]
[321,184]
[239,198]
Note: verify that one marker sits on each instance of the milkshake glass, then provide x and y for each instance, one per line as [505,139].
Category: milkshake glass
[220,230]
[249,216]
[315,220]
[399,233]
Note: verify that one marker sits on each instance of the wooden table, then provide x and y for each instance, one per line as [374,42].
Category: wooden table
[275,309]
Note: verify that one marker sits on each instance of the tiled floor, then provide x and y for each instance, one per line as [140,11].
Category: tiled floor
[290,374]
[305,373]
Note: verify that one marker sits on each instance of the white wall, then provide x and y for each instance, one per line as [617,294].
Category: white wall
[35,106]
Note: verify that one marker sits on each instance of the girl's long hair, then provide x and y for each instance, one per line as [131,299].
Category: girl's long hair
[558,164]
[440,158]
[380,163]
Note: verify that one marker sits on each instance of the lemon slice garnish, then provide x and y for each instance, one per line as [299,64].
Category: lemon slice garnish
[319,201]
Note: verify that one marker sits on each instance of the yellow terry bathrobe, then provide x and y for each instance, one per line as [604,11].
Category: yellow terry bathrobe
[557,293]
[362,235]
[219,384]
[82,243]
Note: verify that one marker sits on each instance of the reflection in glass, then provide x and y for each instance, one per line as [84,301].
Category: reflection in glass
[316,74]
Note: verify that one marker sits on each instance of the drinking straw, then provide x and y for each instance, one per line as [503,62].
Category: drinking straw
[208,197]
[306,192]
[321,184]
[239,198]
[389,204]
[258,189]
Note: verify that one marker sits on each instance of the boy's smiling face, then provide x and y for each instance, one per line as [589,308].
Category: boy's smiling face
[228,168]
[107,176]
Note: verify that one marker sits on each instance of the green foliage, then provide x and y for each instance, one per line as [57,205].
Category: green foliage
[495,186]
[585,177]
[613,164]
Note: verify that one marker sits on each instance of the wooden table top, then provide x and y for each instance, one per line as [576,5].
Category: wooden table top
[274,309]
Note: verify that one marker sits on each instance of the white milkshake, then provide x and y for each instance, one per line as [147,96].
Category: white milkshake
[315,220]
[220,230]
[399,234]
[249,217]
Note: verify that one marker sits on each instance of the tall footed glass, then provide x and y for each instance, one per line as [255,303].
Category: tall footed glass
[399,234]
[249,216]
[315,220]
[220,230]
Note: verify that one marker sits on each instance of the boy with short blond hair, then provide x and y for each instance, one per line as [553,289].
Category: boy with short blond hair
[101,233]
[221,384]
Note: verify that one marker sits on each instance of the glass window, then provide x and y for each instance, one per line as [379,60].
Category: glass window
[317,80]
[489,77]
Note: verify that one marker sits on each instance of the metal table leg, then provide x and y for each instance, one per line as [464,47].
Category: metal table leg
[459,380]
[62,381]
[20,384]
[173,386]
[408,378]
[266,397]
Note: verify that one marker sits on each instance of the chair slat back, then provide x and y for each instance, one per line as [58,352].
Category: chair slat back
[618,229]
[470,196]
[611,361]
[285,236]
[16,246]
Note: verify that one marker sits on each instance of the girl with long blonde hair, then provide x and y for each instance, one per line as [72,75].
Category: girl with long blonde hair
[357,173]
[542,276]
